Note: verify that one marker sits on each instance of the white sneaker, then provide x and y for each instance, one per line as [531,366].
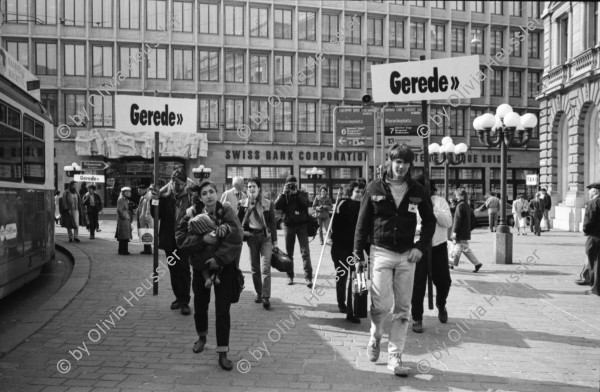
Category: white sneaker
[373,349]
[395,365]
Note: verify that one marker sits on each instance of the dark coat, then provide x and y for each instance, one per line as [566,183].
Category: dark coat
[343,225]
[591,221]
[97,206]
[293,207]
[536,208]
[124,219]
[462,221]
[66,218]
[322,206]
[268,213]
[171,211]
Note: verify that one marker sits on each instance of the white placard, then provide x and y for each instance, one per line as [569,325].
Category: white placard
[88,178]
[451,78]
[155,114]
[531,179]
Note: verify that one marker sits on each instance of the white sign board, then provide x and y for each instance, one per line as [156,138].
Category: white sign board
[531,179]
[14,71]
[451,78]
[155,114]
[88,178]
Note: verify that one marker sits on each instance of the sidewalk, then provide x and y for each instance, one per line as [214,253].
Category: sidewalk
[520,327]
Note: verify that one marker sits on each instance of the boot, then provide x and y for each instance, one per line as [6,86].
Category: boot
[224,362]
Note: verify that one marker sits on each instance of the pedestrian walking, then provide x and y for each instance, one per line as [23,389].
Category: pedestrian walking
[388,214]
[57,207]
[257,217]
[547,206]
[293,202]
[342,233]
[235,195]
[591,228]
[322,206]
[223,250]
[144,218]
[461,230]
[520,208]
[71,212]
[93,206]
[536,212]
[493,205]
[440,271]
[124,221]
[175,199]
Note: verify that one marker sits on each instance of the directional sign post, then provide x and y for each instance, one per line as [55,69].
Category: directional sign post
[94,165]
[88,178]
[353,128]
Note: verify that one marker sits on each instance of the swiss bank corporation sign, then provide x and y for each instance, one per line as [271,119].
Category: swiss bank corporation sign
[155,114]
[443,79]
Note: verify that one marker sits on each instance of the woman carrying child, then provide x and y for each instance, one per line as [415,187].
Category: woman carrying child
[217,249]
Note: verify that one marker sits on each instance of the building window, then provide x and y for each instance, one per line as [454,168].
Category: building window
[183,64]
[307,116]
[534,9]
[157,64]
[283,24]
[283,69]
[514,8]
[563,41]
[592,24]
[20,51]
[17,11]
[417,3]
[50,102]
[476,6]
[45,11]
[306,25]
[353,36]
[457,122]
[259,22]
[496,7]
[307,67]
[234,67]
[45,59]
[102,110]
[209,18]
[129,14]
[259,68]
[327,117]
[352,73]
[482,82]
[533,84]
[74,60]
[156,14]
[534,45]
[330,72]
[130,57]
[369,64]
[417,35]
[458,39]
[438,37]
[283,116]
[375,32]
[102,61]
[397,33]
[516,43]
[74,104]
[259,114]
[330,27]
[209,65]
[474,114]
[183,12]
[438,4]
[234,113]
[102,13]
[497,83]
[514,88]
[477,48]
[438,128]
[496,41]
[234,20]
[457,5]
[209,113]
[74,12]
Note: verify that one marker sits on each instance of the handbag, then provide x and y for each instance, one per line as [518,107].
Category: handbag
[238,285]
[281,261]
[146,236]
[524,214]
[544,224]
[360,295]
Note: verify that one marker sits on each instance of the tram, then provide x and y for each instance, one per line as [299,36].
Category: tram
[26,177]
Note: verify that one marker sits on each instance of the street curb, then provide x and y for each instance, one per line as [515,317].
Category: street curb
[36,319]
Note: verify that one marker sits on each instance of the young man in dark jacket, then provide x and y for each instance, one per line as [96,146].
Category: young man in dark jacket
[591,228]
[388,213]
[461,229]
[294,205]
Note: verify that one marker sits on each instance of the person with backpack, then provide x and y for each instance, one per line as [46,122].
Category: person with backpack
[461,230]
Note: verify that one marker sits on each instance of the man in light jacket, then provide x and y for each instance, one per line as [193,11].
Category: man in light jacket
[493,205]
[145,220]
[235,195]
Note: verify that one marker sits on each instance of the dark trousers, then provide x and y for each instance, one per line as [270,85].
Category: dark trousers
[343,277]
[535,224]
[123,246]
[441,279]
[181,276]
[223,294]
[592,250]
[92,222]
[148,248]
[290,233]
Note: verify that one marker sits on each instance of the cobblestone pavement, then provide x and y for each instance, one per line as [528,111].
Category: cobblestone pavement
[520,327]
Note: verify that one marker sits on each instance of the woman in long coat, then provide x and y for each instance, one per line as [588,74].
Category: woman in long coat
[72,214]
[124,219]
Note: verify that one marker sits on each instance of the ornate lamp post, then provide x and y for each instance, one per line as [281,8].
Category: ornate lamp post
[201,172]
[314,174]
[72,169]
[448,154]
[506,129]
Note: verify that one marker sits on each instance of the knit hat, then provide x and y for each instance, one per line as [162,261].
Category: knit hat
[291,179]
[201,224]
[178,173]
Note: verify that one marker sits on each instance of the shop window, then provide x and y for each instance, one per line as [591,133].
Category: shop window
[271,177]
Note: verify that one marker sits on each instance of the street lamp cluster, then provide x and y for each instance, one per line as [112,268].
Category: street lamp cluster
[72,169]
[201,172]
[314,174]
[448,154]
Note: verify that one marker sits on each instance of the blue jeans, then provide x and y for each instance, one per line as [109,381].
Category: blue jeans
[290,233]
[392,285]
[261,249]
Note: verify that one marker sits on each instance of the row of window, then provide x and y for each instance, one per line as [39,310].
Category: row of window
[515,8]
